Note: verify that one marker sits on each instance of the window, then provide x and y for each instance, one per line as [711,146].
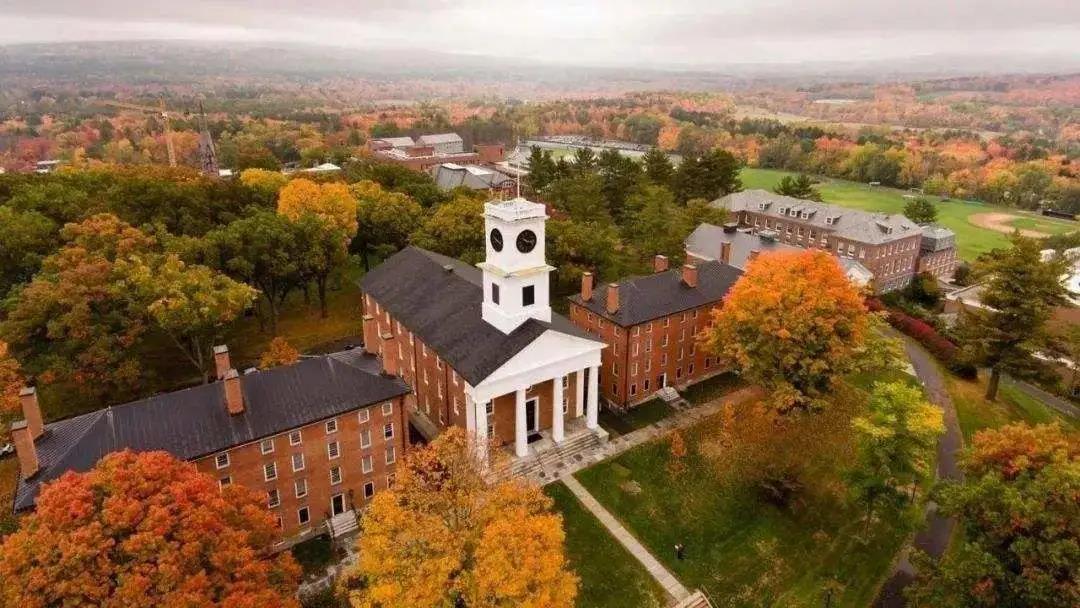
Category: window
[365,438]
[222,460]
[333,450]
[294,438]
[303,516]
[528,295]
[681,353]
[495,293]
[633,390]
[367,464]
[388,431]
[691,370]
[391,455]
[270,471]
[388,408]
[300,485]
[369,489]
[335,475]
[266,446]
[708,362]
[633,369]
[331,426]
[646,384]
[663,359]
[678,372]
[648,364]
[224,481]
[297,462]
[273,498]
[365,415]
[615,370]
[566,382]
[667,321]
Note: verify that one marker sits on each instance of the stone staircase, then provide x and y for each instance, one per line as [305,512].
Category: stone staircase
[696,599]
[544,466]
[342,524]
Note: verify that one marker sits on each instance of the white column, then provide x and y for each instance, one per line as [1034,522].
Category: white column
[521,433]
[592,409]
[579,392]
[480,417]
[556,410]
[470,414]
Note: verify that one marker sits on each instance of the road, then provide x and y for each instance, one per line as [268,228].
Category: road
[934,536]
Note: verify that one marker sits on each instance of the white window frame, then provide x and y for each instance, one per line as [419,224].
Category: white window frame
[365,438]
[364,415]
[296,437]
[264,443]
[333,450]
[388,408]
[369,489]
[218,460]
[270,471]
[273,498]
[300,487]
[224,481]
[389,426]
[305,518]
[391,454]
[367,464]
[303,464]
[333,470]
[331,426]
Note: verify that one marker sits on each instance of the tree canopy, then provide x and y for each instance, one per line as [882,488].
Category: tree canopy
[143,531]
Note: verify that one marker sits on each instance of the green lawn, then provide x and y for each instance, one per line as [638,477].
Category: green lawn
[975,413]
[610,576]
[711,388]
[953,214]
[816,540]
[639,417]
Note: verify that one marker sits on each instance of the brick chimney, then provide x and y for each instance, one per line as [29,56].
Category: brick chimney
[371,335]
[221,361]
[689,275]
[725,253]
[613,298]
[586,286]
[391,365]
[234,395]
[24,448]
[659,263]
[31,411]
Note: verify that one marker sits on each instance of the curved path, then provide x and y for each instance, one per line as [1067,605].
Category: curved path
[934,536]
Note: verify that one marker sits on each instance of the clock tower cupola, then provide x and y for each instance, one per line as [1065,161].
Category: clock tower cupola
[515,269]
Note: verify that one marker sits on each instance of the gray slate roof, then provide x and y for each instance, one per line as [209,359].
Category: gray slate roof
[452,175]
[657,295]
[438,138]
[443,309]
[705,242]
[194,422]
[398,142]
[852,224]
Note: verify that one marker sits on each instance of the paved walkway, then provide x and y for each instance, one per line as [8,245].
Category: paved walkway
[666,579]
[937,530]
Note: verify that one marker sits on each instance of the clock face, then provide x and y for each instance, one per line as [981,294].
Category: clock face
[526,240]
[496,240]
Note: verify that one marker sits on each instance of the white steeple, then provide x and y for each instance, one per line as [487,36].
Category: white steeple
[515,270]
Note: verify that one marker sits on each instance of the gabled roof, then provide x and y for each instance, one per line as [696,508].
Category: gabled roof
[438,138]
[452,175]
[851,224]
[397,142]
[439,299]
[194,422]
[706,241]
[649,297]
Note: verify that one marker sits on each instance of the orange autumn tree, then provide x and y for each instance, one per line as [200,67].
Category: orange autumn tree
[280,352]
[146,531]
[793,323]
[443,536]
[11,381]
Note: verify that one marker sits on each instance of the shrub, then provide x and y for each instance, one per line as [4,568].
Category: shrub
[939,346]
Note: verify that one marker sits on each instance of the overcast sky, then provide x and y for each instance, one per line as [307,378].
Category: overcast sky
[608,32]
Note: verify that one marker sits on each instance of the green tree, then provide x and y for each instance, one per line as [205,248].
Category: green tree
[190,304]
[322,252]
[455,229]
[700,211]
[1020,293]
[897,436]
[584,160]
[541,169]
[619,175]
[656,224]
[263,250]
[574,248]
[642,129]
[386,219]
[798,187]
[921,210]
[1017,508]
[580,196]
[26,238]
[709,176]
[658,167]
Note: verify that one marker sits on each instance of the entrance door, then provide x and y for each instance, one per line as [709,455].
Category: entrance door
[337,504]
[532,415]
[661,381]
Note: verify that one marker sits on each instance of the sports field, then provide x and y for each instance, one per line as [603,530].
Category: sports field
[978,227]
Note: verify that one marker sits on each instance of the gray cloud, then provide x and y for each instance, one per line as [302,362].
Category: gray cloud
[646,32]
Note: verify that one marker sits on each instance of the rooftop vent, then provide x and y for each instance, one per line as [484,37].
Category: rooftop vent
[730,227]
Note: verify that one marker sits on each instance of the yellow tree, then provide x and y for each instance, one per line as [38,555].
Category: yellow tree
[793,323]
[444,536]
[264,181]
[331,202]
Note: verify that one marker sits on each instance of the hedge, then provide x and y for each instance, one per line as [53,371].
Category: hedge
[939,346]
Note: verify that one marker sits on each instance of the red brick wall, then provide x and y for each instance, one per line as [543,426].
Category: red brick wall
[637,356]
[246,464]
[941,264]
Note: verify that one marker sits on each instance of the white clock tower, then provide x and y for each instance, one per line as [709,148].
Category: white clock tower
[515,271]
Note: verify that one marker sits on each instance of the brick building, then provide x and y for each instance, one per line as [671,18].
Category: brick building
[429,151]
[890,246]
[649,324]
[320,437]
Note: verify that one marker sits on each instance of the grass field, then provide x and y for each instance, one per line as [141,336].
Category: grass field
[975,413]
[953,214]
[610,576]
[725,527]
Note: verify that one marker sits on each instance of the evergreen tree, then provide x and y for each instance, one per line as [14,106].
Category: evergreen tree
[658,167]
[709,176]
[798,187]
